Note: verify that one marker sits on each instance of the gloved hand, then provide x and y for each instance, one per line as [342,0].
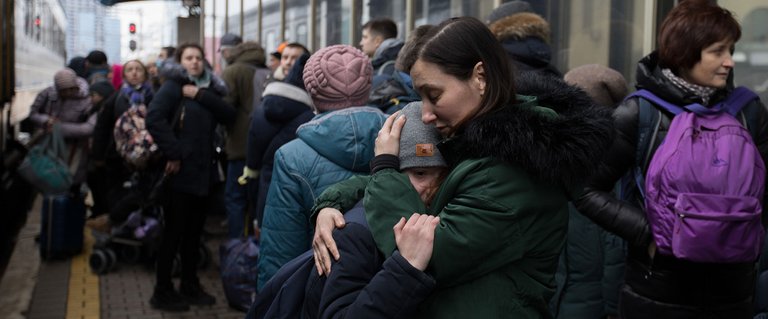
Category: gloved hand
[247,174]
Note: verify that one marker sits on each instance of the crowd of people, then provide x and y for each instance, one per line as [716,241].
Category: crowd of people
[454,174]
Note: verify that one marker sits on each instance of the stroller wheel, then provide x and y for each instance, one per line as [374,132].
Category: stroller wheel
[205,257]
[99,262]
[130,254]
[111,257]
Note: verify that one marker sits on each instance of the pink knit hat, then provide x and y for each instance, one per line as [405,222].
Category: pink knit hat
[338,77]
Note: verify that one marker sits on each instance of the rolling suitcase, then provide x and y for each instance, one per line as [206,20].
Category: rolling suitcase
[61,233]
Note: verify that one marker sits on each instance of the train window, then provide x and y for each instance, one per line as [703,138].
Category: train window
[751,54]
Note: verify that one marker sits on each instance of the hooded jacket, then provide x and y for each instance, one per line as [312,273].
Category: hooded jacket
[387,51]
[525,37]
[75,115]
[239,77]
[503,207]
[629,221]
[191,139]
[330,148]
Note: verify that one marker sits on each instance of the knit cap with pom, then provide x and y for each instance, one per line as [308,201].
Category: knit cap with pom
[338,77]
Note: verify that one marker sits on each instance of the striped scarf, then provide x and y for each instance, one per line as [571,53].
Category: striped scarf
[705,93]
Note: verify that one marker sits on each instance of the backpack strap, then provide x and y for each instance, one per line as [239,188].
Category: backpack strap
[647,95]
[738,99]
[649,121]
[386,68]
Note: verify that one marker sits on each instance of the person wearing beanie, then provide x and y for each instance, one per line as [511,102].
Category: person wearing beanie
[524,35]
[285,105]
[365,283]
[246,77]
[227,43]
[99,93]
[67,102]
[337,77]
[589,274]
[513,160]
[606,86]
[336,144]
[77,64]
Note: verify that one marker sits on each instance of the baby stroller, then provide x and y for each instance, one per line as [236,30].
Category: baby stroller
[135,238]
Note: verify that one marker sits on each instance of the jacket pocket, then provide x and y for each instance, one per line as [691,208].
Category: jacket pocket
[717,228]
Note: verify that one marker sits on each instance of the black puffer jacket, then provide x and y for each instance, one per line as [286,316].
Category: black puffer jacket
[629,220]
[191,140]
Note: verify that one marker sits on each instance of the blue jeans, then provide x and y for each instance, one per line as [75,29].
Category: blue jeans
[235,199]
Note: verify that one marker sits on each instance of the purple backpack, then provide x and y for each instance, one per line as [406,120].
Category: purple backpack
[704,185]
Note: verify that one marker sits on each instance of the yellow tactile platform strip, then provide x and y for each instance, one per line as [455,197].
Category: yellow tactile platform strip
[83,295]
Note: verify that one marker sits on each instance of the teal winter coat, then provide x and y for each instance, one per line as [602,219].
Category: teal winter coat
[328,149]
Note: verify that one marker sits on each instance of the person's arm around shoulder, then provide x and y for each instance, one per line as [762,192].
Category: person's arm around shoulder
[394,289]
[598,202]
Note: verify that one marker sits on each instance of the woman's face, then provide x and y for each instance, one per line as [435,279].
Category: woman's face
[714,67]
[424,180]
[133,73]
[447,100]
[192,61]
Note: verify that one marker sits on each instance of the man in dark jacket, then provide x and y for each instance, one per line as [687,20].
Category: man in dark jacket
[380,43]
[245,77]
[284,107]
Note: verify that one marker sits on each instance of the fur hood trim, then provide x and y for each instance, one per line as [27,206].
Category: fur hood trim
[520,26]
[564,148]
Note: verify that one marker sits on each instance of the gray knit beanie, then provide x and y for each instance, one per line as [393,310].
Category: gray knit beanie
[418,141]
[508,9]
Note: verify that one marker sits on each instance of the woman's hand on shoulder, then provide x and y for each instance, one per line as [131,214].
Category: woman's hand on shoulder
[323,245]
[190,91]
[388,141]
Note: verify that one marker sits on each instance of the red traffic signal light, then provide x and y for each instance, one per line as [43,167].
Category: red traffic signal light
[132,28]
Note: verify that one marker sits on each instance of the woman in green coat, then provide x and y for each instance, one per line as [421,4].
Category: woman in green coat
[514,160]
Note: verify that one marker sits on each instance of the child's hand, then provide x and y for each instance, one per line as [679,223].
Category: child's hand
[323,244]
[415,239]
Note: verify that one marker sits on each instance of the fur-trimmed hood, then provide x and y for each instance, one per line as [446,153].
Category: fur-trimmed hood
[563,149]
[521,25]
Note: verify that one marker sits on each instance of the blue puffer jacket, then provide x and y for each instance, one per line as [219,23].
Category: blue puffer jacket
[330,148]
